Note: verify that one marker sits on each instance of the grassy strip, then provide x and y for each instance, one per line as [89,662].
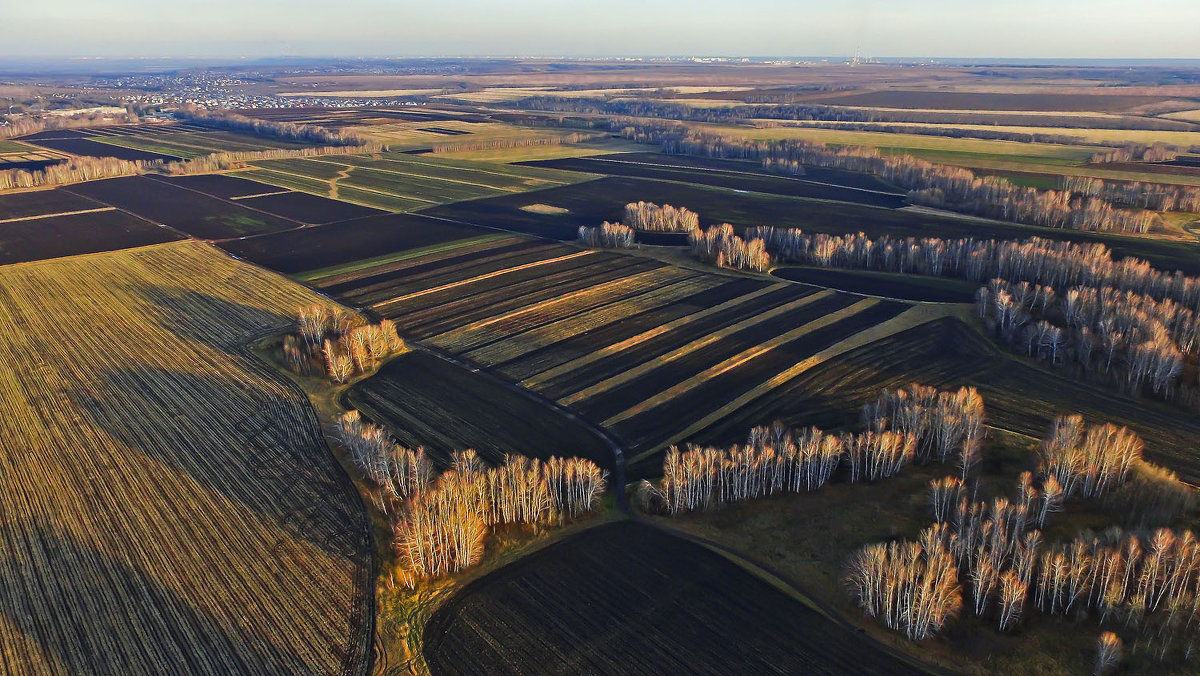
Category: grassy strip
[489,275]
[642,369]
[468,335]
[365,263]
[650,298]
[575,364]
[739,359]
[65,213]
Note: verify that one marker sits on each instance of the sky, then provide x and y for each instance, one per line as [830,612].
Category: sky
[381,28]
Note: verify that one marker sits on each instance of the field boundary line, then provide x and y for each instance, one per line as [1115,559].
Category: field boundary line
[645,367]
[261,194]
[579,362]
[65,213]
[439,178]
[634,280]
[908,319]
[479,278]
[483,171]
[738,359]
[747,173]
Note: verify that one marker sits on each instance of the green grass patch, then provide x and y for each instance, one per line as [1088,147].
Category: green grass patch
[313,275]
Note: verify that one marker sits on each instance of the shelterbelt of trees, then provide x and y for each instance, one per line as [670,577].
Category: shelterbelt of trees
[927,183]
[78,169]
[439,522]
[1058,301]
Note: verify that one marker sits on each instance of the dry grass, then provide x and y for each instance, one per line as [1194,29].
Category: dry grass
[545,209]
[169,503]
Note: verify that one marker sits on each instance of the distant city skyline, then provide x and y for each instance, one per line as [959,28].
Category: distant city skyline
[1159,29]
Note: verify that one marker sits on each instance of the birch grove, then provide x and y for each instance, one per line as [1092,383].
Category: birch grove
[607,235]
[654,218]
[341,342]
[440,520]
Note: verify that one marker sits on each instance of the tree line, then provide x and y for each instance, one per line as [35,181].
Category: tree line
[25,125]
[910,424]
[440,521]
[1156,196]
[607,235]
[78,169]
[927,183]
[1133,339]
[305,133]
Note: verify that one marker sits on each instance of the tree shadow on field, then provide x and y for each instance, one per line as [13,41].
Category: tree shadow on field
[202,317]
[254,446]
[91,613]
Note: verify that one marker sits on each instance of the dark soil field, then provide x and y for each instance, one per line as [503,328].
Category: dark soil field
[907,287]
[448,316]
[604,200]
[43,202]
[582,378]
[196,214]
[617,399]
[328,245]
[849,179]
[585,343]
[423,277]
[627,598]
[1020,395]
[90,148]
[1104,103]
[655,425]
[443,131]
[58,236]
[648,166]
[425,400]
[219,185]
[306,208]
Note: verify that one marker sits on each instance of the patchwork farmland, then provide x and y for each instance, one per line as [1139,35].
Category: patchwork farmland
[653,352]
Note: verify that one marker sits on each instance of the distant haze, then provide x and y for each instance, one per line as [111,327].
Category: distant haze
[350,28]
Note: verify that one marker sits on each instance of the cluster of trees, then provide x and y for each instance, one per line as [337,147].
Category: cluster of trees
[1156,196]
[914,423]
[523,142]
[440,520]
[343,341]
[909,587]
[1138,152]
[1131,338]
[943,423]
[651,217]
[1088,461]
[305,133]
[720,246]
[607,235]
[991,554]
[928,183]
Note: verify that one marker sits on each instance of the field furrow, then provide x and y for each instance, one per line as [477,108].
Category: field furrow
[661,293]
[638,371]
[486,331]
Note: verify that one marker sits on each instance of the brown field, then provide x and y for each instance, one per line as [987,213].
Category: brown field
[170,504]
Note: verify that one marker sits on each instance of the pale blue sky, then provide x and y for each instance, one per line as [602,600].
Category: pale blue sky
[947,28]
